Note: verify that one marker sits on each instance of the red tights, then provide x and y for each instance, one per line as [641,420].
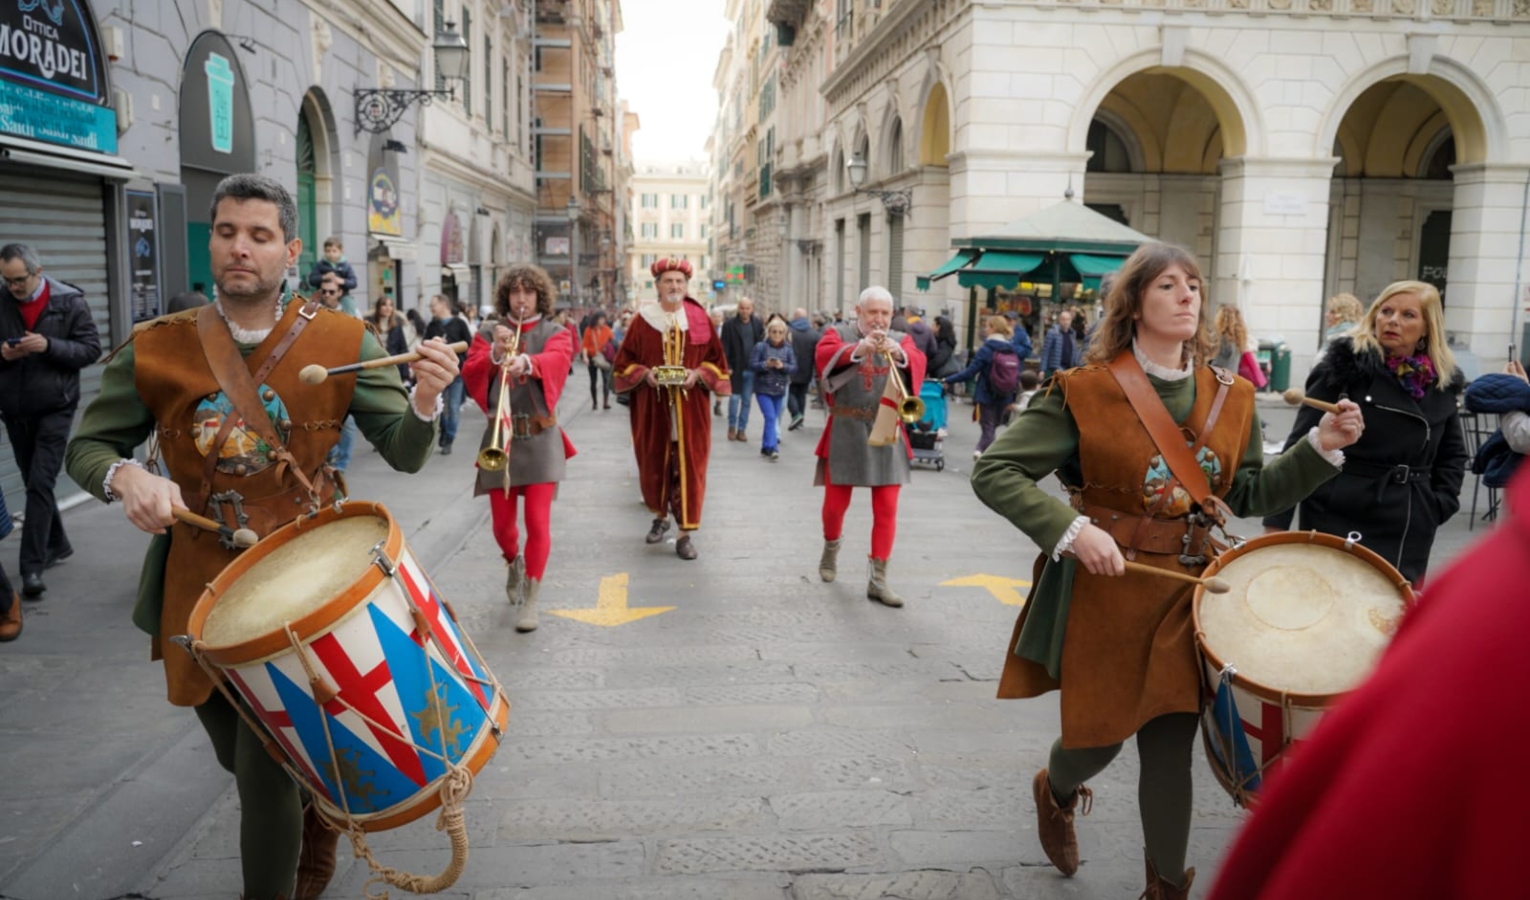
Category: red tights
[884,515]
[538,508]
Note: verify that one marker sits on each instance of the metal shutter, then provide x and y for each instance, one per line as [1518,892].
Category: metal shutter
[895,258]
[62,215]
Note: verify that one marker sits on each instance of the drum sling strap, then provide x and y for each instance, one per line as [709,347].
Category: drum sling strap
[239,385]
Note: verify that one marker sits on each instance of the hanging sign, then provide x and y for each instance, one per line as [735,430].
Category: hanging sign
[52,86]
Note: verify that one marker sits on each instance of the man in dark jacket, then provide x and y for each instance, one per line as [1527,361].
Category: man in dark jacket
[923,334]
[804,340]
[49,336]
[449,328]
[739,335]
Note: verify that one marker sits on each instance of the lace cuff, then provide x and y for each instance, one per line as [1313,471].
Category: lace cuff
[1335,458]
[106,483]
[434,414]
[1065,543]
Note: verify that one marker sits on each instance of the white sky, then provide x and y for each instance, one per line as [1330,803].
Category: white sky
[665,57]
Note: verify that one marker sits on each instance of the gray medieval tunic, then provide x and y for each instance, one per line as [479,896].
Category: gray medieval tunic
[857,395]
[534,458]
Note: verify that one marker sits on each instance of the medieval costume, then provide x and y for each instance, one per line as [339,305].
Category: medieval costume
[536,447]
[856,392]
[671,426]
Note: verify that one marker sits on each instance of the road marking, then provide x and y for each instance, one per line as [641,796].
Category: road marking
[611,608]
[1004,590]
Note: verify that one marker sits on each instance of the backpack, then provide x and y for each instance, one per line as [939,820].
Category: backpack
[1004,371]
[609,350]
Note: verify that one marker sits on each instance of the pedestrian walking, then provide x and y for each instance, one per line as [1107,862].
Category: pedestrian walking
[162,381]
[1119,645]
[526,353]
[388,325]
[447,326]
[943,360]
[773,362]
[855,364]
[739,335]
[997,367]
[1403,480]
[1060,350]
[804,339]
[48,336]
[593,350]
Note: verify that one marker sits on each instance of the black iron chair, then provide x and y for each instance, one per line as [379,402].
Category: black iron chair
[1479,427]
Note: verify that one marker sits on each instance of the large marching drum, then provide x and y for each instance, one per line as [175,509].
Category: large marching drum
[1303,621]
[358,670]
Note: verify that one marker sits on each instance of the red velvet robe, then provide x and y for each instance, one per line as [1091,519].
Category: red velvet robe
[642,349]
[829,347]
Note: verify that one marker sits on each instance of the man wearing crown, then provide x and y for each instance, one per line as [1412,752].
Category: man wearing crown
[671,364]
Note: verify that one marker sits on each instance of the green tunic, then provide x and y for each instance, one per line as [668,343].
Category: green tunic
[117,422]
[1044,439]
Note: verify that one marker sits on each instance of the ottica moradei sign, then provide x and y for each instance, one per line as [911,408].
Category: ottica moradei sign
[53,84]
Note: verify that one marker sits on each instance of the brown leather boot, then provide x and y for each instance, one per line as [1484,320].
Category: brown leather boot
[1160,889]
[316,861]
[1054,823]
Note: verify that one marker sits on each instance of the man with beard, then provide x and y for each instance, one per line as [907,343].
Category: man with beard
[237,360]
[671,430]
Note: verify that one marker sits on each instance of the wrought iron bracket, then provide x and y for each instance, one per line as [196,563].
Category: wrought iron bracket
[896,203]
[378,109]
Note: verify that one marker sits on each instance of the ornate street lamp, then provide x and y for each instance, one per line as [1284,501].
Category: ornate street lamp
[896,203]
[378,109]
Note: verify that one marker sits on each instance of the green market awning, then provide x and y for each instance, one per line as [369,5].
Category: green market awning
[1091,268]
[999,268]
[962,258]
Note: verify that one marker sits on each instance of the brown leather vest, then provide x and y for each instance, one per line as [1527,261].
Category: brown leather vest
[177,385]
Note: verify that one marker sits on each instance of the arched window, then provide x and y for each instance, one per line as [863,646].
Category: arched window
[895,151]
[837,171]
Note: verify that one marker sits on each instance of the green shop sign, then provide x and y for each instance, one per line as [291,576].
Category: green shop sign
[52,78]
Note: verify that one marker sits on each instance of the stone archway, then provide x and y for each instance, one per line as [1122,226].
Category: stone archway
[935,128]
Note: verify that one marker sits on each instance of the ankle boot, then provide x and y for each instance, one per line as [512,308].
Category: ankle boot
[1054,823]
[514,577]
[828,563]
[316,860]
[1159,888]
[527,621]
[876,587]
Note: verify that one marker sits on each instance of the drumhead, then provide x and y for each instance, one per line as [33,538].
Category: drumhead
[294,580]
[1300,618]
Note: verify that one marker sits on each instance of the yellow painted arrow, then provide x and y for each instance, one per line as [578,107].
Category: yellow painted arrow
[611,608]
[1004,590]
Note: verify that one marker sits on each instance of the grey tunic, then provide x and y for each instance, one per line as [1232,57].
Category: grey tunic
[857,393]
[536,458]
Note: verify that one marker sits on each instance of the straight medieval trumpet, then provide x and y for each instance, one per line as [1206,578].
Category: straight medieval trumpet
[496,456]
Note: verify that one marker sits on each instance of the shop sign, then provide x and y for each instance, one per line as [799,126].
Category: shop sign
[220,102]
[143,250]
[52,86]
[383,214]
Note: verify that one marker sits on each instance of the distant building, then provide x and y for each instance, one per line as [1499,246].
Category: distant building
[671,216]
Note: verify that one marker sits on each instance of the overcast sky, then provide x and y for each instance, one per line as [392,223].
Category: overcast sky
[665,57]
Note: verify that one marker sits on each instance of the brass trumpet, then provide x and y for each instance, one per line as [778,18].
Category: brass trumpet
[910,407]
[496,456]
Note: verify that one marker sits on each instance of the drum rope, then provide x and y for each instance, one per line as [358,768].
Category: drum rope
[461,633]
[455,787]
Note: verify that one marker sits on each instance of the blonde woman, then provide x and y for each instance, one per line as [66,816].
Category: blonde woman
[1343,314]
[1231,338]
[1402,480]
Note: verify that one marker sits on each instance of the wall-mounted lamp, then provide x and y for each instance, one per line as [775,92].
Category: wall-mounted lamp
[895,202]
[482,211]
[378,109]
[394,146]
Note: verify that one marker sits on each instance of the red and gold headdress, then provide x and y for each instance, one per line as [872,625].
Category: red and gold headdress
[671,264]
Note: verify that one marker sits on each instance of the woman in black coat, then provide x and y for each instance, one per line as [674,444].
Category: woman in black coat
[1402,479]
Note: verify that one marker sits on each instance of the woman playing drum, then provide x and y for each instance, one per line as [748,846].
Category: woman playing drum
[1120,646]
[531,354]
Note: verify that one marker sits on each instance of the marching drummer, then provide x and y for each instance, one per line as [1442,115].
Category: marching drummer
[243,441]
[526,351]
[1154,448]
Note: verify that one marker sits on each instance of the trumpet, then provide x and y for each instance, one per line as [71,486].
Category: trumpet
[910,407]
[496,456]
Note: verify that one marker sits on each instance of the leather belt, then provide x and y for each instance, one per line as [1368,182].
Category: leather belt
[1145,534]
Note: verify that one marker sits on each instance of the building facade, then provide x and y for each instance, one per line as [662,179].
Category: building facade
[671,216]
[1299,147]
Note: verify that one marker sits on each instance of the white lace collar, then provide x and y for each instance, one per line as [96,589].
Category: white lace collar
[252,335]
[662,319]
[1160,372]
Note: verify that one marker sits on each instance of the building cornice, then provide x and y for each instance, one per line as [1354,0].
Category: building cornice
[472,174]
[380,27]
[873,57]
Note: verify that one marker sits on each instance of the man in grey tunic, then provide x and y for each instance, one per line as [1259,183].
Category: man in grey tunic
[857,363]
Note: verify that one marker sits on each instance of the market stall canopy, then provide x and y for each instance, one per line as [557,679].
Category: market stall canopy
[1067,242]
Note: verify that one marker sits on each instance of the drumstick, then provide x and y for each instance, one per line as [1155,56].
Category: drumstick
[1212,585]
[240,537]
[1295,397]
[315,374]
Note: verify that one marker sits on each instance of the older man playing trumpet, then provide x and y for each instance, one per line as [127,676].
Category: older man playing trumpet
[869,375]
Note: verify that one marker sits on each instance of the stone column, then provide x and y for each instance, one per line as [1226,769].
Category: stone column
[1271,246]
[1487,242]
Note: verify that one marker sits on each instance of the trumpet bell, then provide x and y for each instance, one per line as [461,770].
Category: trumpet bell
[493,459]
[911,410]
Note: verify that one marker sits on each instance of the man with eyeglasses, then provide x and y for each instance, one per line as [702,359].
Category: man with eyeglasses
[47,335]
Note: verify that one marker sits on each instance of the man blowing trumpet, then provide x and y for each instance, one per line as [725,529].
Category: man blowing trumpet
[671,364]
[869,374]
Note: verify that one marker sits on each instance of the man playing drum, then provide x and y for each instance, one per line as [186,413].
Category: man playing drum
[527,351]
[1119,645]
[856,363]
[243,441]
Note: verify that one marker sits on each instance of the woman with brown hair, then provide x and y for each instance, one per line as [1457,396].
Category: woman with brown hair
[1154,449]
[526,350]
[1230,338]
[388,325]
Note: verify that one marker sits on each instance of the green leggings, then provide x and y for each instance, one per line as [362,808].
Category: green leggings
[1163,788]
[270,806]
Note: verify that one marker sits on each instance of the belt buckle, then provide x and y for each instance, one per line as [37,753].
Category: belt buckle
[520,426]
[1198,558]
[1401,473]
[235,502]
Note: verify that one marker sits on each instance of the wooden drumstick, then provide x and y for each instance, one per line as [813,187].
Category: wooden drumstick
[1295,397]
[1212,585]
[239,537]
[315,374]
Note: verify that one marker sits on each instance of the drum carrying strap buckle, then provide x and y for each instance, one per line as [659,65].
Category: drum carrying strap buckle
[1197,533]
[235,502]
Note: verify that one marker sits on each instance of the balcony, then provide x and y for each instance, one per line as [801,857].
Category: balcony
[553,88]
[553,12]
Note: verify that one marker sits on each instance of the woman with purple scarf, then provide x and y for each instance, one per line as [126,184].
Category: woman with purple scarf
[1402,479]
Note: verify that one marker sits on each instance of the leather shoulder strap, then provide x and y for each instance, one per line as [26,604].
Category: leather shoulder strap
[1161,427]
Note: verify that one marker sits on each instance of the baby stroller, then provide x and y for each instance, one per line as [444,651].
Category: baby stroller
[927,436]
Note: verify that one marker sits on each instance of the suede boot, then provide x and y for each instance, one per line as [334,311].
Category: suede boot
[1054,823]
[1158,888]
[876,587]
[515,576]
[732,434]
[828,563]
[316,861]
[527,621]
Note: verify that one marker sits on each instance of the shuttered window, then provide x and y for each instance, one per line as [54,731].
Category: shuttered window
[895,257]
